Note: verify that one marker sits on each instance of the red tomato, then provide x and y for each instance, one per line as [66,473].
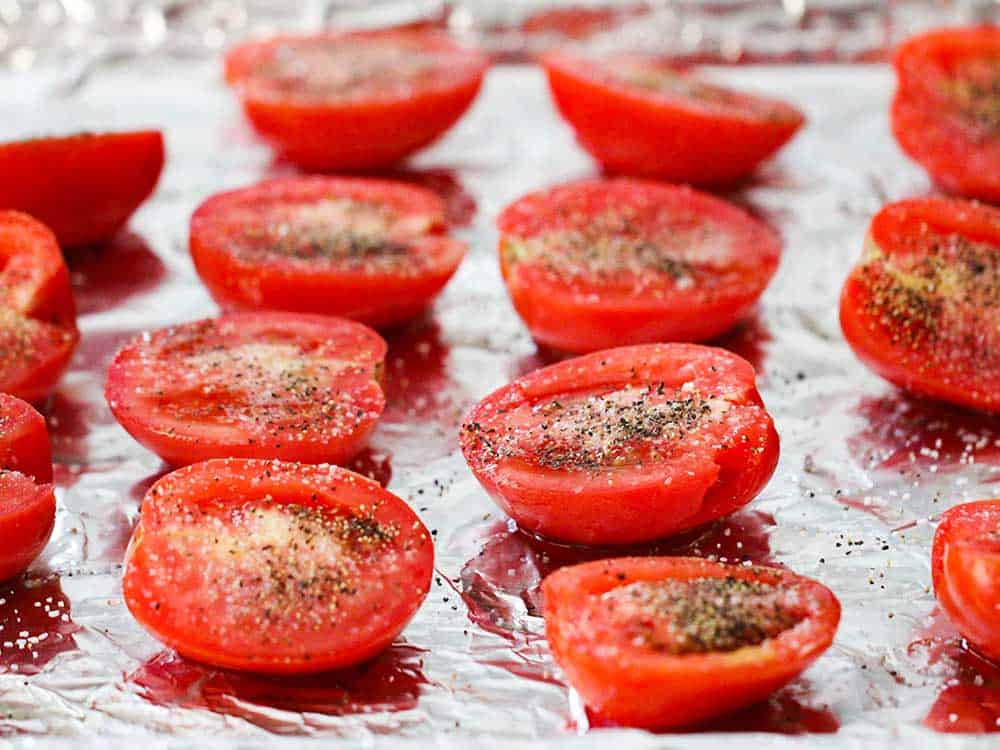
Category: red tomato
[945,114]
[665,642]
[603,263]
[275,567]
[354,100]
[965,563]
[922,307]
[637,115]
[27,515]
[370,250]
[83,187]
[24,440]
[625,445]
[251,385]
[37,315]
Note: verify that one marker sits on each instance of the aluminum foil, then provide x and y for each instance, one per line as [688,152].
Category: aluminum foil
[864,470]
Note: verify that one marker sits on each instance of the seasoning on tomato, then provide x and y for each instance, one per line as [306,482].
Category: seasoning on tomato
[668,642]
[37,313]
[354,100]
[965,564]
[638,115]
[24,440]
[922,307]
[603,263]
[84,187]
[253,385]
[370,250]
[624,445]
[27,517]
[946,112]
[275,567]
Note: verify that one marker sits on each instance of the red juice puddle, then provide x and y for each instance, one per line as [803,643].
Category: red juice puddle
[748,339]
[416,372]
[35,624]
[373,464]
[460,207]
[107,275]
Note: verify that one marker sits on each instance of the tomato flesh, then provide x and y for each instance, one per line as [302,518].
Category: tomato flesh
[24,440]
[667,642]
[27,516]
[625,445]
[603,263]
[275,567]
[253,385]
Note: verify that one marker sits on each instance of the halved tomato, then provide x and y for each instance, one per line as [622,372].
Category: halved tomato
[965,564]
[84,187]
[603,263]
[275,567]
[666,642]
[37,314]
[922,307]
[946,112]
[253,385]
[24,440]
[27,516]
[354,100]
[371,250]
[638,115]
[624,445]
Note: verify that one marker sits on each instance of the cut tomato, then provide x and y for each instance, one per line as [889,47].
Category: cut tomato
[251,385]
[24,440]
[946,113]
[625,445]
[275,567]
[603,263]
[966,569]
[922,307]
[666,642]
[83,187]
[639,116]
[37,315]
[27,516]
[354,100]
[370,250]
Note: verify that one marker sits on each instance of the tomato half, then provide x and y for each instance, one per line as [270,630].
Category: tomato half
[603,263]
[354,100]
[27,516]
[371,250]
[922,307]
[37,314]
[965,564]
[946,112]
[251,385]
[624,445]
[24,440]
[665,642]
[639,116]
[83,187]
[275,567]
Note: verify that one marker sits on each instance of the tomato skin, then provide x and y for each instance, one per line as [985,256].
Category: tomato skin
[633,686]
[587,315]
[83,187]
[957,368]
[379,298]
[189,612]
[27,517]
[24,440]
[633,132]
[371,133]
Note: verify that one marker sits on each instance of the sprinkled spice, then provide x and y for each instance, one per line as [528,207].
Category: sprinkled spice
[22,340]
[975,90]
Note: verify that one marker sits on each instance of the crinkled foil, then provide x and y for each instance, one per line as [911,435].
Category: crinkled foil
[864,472]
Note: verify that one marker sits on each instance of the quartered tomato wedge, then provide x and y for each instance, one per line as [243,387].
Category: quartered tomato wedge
[251,385]
[965,563]
[275,567]
[603,263]
[24,440]
[625,445]
[27,516]
[922,307]
[946,113]
[83,187]
[666,642]
[354,100]
[37,314]
[371,250]
[638,115]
